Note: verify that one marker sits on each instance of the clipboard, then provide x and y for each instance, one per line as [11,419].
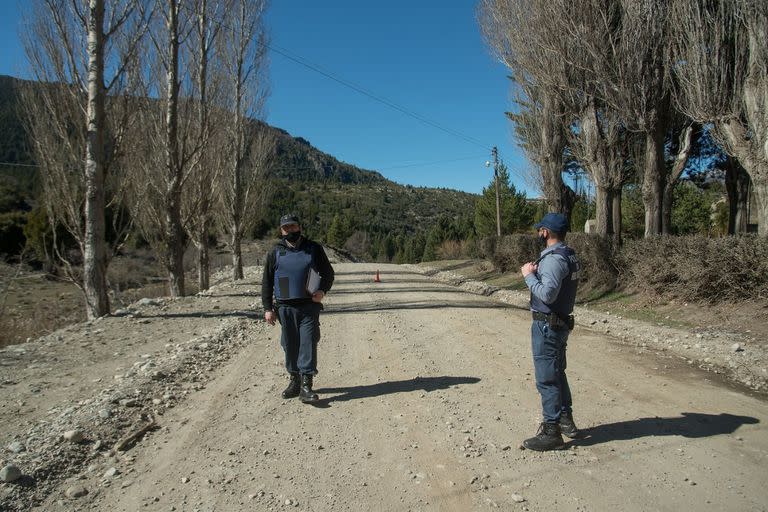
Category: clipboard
[313,281]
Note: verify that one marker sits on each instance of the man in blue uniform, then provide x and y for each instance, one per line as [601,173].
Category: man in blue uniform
[297,275]
[552,279]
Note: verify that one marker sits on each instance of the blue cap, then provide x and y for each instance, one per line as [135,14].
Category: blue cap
[554,222]
[288,219]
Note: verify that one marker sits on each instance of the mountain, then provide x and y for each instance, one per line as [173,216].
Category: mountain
[306,180]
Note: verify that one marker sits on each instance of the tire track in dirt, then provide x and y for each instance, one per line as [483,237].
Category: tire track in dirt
[427,391]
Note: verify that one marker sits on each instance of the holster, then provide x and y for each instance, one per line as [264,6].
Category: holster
[555,321]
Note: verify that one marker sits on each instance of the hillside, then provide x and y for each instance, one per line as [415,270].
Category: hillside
[308,181]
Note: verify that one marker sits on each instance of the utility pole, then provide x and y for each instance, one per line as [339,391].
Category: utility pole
[495,154]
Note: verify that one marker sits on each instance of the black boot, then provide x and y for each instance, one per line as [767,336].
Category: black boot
[294,387]
[567,426]
[307,395]
[547,438]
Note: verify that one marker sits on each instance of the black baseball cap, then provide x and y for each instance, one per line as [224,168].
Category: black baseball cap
[288,218]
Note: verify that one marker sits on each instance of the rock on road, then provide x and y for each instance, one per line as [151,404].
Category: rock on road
[427,392]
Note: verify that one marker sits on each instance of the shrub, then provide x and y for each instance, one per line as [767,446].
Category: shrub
[698,269]
[512,251]
[599,262]
[486,247]
[39,235]
[453,250]
[596,254]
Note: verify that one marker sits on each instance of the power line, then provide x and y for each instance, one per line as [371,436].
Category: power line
[13,164]
[434,162]
[304,62]
[316,68]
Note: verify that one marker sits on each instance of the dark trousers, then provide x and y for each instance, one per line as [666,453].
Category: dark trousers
[300,334]
[549,363]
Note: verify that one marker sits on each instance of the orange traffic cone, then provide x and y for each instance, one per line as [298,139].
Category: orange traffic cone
[376,278]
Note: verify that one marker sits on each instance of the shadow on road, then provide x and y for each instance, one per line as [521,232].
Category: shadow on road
[374,290]
[204,314]
[363,307]
[690,424]
[384,279]
[383,273]
[388,388]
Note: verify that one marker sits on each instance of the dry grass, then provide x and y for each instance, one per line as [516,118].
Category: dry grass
[33,304]
[36,305]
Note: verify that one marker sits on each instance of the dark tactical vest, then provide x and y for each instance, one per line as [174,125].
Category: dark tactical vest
[291,271]
[563,304]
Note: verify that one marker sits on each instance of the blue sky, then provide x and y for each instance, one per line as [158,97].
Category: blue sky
[427,57]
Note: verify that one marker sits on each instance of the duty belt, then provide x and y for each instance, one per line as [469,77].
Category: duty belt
[554,320]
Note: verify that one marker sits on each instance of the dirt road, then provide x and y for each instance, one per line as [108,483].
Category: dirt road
[427,392]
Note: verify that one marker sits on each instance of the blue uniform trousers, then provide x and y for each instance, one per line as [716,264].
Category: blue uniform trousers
[549,363]
[300,334]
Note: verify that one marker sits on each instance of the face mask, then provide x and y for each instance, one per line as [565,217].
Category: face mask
[293,237]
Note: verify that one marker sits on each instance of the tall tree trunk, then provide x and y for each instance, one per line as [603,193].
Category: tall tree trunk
[174,255]
[94,250]
[653,179]
[754,159]
[559,197]
[685,147]
[760,190]
[237,254]
[737,187]
[667,200]
[174,228]
[603,210]
[616,214]
[598,166]
[203,259]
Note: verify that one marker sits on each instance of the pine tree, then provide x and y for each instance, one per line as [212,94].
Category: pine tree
[516,213]
[335,237]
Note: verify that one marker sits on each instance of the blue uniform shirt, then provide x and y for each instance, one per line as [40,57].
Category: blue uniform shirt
[546,283]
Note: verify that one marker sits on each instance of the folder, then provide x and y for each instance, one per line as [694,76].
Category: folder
[313,281]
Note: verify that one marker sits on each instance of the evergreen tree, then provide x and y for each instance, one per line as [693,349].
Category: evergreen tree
[516,213]
[435,237]
[692,209]
[581,212]
[335,237]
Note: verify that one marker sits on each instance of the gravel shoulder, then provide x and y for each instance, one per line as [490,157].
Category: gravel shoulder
[740,357]
[427,393]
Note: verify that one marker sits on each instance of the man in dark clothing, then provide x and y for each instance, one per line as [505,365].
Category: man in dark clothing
[297,275]
[552,279]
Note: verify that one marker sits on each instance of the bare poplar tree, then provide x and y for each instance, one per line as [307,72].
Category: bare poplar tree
[601,144]
[251,146]
[637,86]
[597,135]
[507,28]
[78,118]
[720,51]
[200,197]
[171,137]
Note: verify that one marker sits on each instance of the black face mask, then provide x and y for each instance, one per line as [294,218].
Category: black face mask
[293,236]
